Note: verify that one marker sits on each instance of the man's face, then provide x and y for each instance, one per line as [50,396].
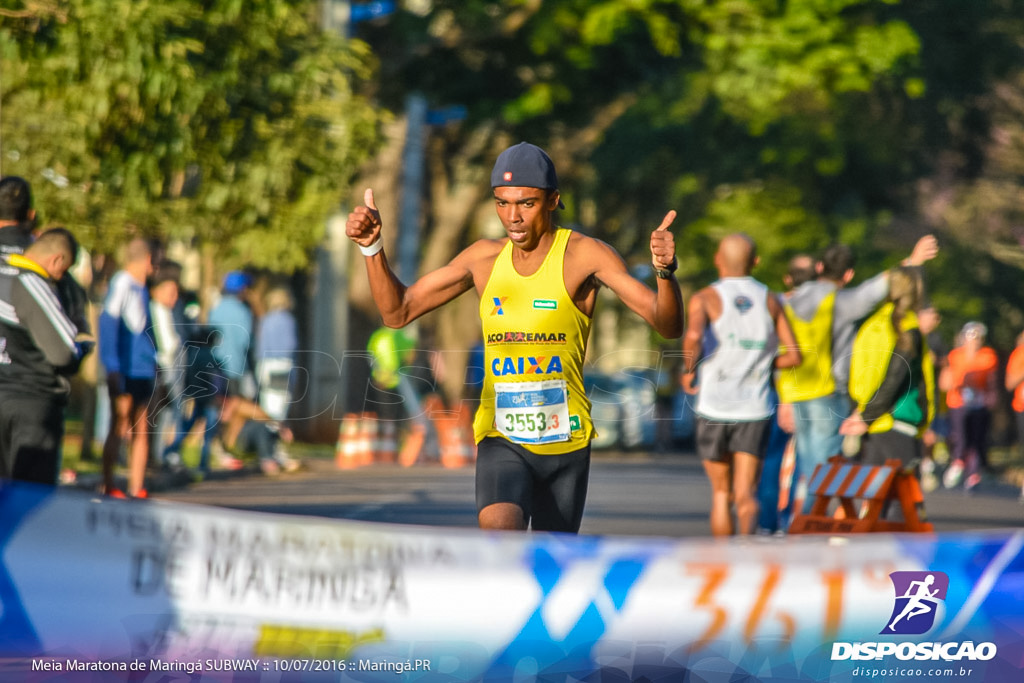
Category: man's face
[166,293]
[525,213]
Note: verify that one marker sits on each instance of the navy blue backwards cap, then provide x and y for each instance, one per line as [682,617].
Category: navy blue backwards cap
[525,165]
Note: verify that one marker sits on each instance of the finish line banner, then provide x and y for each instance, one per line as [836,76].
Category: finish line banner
[101,589]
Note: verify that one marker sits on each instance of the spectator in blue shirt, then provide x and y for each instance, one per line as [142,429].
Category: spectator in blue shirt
[232,318]
[128,354]
[276,344]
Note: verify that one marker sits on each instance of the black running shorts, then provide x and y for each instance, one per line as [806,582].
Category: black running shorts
[550,489]
[717,440]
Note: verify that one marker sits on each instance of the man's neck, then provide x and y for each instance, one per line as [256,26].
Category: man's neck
[22,261]
[723,274]
[533,257]
[137,274]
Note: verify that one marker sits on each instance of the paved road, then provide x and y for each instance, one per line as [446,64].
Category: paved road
[631,494]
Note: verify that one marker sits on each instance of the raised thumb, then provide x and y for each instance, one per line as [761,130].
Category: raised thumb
[667,220]
[368,199]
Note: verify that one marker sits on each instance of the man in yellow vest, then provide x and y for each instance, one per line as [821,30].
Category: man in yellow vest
[538,288]
[825,316]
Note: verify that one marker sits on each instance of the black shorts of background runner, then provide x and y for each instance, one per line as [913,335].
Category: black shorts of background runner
[875,449]
[715,440]
[141,389]
[31,432]
[551,490]
[387,403]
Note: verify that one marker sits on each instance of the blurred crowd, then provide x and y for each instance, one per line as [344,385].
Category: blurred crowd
[154,366]
[875,384]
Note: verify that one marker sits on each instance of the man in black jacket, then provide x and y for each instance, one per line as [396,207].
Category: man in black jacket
[17,217]
[17,232]
[39,350]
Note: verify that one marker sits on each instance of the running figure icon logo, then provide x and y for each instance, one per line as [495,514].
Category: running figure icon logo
[918,595]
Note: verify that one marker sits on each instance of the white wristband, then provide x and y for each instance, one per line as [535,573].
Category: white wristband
[373,248]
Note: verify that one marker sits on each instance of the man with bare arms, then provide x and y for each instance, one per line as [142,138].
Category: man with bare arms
[538,289]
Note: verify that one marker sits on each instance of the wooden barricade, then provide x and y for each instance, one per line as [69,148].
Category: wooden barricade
[878,488]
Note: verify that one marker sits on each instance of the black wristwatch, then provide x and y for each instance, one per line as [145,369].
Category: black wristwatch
[666,273]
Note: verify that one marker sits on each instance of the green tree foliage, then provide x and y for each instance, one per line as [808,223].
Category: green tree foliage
[716,109]
[802,122]
[232,124]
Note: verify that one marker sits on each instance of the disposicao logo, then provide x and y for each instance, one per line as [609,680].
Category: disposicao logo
[918,595]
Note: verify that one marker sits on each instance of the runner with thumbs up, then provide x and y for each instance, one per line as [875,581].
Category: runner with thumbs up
[538,290]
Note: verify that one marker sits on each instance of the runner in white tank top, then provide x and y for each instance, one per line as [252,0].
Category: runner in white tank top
[749,329]
[736,372]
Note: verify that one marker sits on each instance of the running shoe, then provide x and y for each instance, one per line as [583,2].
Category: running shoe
[929,482]
[269,467]
[173,461]
[953,474]
[116,493]
[972,481]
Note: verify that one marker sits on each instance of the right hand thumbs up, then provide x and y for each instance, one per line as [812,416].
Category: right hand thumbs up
[364,224]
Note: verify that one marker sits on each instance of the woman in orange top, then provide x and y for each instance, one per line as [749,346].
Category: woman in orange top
[969,380]
[1015,384]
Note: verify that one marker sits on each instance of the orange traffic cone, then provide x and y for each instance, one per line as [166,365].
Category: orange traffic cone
[456,438]
[348,436]
[367,440]
[418,442]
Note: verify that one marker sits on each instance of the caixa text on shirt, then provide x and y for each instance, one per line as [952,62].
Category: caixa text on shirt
[526,365]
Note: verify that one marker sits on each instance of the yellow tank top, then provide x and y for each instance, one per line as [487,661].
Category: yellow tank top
[813,377]
[535,339]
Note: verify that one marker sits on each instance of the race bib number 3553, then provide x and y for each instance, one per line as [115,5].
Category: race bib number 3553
[532,412]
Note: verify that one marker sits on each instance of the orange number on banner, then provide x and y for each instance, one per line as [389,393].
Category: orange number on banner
[757,613]
[715,575]
[834,582]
